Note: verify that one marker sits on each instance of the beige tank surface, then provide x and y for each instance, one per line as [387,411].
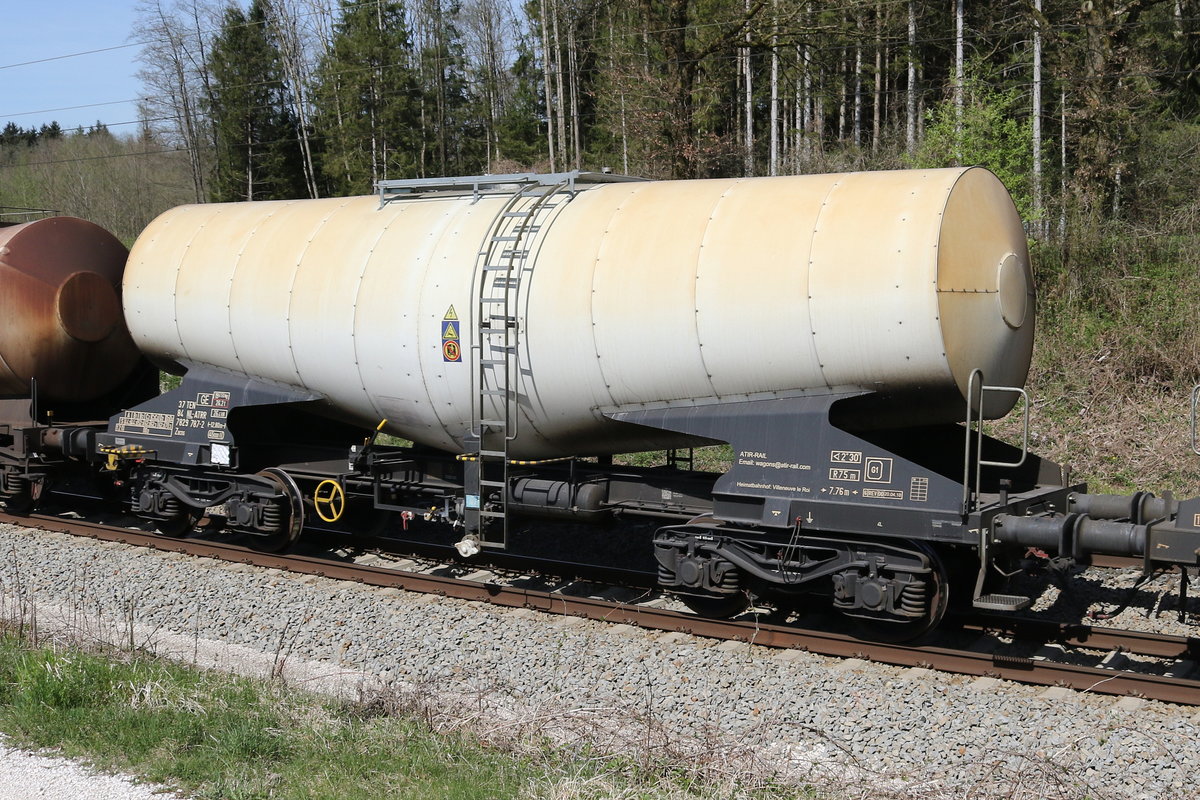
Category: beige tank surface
[60,310]
[634,295]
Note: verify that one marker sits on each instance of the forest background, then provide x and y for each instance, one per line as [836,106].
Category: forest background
[1089,110]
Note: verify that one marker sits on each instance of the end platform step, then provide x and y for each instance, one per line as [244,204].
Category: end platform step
[1003,602]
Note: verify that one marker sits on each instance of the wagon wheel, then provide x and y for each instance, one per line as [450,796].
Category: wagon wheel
[178,525]
[288,518]
[716,606]
[938,600]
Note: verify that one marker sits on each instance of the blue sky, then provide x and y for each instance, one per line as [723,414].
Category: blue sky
[36,31]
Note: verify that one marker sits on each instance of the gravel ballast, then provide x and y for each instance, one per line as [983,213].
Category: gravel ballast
[854,728]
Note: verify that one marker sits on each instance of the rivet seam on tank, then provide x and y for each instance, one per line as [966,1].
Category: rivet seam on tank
[175,299]
[300,258]
[812,261]
[696,292]
[591,310]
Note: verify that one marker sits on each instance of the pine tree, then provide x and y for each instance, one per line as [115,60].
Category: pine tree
[453,141]
[366,95]
[518,130]
[257,155]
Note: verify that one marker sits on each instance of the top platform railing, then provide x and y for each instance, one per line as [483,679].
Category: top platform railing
[480,185]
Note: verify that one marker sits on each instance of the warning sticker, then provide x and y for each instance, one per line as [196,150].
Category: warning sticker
[451,349]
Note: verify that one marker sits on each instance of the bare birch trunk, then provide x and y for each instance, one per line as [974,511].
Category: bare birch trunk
[1062,140]
[748,165]
[286,24]
[573,64]
[911,117]
[560,104]
[549,90]
[1039,223]
[877,100]
[774,160]
[958,79]
[858,87]
[807,126]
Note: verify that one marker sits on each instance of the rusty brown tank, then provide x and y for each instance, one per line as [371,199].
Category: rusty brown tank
[60,310]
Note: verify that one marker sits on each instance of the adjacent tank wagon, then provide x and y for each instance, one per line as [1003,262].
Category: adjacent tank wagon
[61,324]
[66,357]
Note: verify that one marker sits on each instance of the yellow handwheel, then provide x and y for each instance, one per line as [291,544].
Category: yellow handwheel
[329,499]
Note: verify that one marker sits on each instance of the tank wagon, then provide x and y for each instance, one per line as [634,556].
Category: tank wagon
[844,334]
[65,354]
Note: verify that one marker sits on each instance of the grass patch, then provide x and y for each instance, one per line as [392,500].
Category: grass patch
[222,736]
[713,458]
[219,736]
[1117,354]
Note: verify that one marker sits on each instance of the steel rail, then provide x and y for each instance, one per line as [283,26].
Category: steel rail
[1142,643]
[1018,669]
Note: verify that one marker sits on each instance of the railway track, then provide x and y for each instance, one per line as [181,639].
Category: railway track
[1082,657]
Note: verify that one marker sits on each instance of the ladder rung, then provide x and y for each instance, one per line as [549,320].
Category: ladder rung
[494,484]
[493,299]
[506,238]
[494,392]
[493,453]
[514,253]
[493,423]
[505,282]
[493,362]
[496,268]
[493,515]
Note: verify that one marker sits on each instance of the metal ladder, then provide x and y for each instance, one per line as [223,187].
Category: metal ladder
[974,462]
[502,264]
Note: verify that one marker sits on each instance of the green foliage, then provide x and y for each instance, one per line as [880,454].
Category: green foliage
[118,183]
[995,132]
[519,130]
[1124,299]
[225,737]
[13,134]
[258,157]
[452,140]
[1164,190]
[367,99]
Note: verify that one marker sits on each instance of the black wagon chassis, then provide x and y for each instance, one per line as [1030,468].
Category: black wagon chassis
[886,523]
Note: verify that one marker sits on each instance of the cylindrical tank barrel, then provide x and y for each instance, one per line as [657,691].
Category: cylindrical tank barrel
[632,294]
[60,310]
